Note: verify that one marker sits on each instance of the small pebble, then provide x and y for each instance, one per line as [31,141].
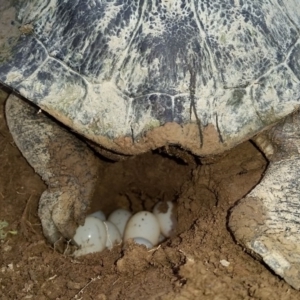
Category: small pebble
[224,263]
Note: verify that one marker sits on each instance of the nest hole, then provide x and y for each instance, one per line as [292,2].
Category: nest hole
[138,183]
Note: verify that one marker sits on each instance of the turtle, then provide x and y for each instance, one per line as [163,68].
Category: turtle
[126,77]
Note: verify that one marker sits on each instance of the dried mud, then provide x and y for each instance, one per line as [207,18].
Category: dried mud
[201,261]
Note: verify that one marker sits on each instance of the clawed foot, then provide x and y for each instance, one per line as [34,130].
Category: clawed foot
[66,164]
[63,205]
[267,221]
[61,211]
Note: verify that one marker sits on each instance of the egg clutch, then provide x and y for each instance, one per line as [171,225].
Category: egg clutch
[145,228]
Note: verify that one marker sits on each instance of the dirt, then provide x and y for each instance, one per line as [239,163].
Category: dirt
[201,261]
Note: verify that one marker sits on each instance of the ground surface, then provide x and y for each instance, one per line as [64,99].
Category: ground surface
[188,266]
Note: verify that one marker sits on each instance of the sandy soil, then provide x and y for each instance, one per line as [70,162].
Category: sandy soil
[187,266]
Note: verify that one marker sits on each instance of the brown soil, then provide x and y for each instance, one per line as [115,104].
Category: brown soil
[188,266]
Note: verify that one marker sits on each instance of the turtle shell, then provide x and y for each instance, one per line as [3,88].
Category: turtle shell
[136,75]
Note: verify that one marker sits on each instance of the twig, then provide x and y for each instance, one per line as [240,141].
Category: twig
[82,290]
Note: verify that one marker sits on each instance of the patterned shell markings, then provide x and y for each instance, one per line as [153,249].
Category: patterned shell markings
[118,68]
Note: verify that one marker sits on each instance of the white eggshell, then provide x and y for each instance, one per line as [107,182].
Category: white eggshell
[120,218]
[166,216]
[142,241]
[91,236]
[99,215]
[161,238]
[113,235]
[143,225]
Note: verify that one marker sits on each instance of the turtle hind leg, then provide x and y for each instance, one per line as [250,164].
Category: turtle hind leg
[66,164]
[267,221]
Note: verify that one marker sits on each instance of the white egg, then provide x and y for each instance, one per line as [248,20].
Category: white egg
[99,215]
[113,235]
[142,241]
[143,225]
[166,215]
[91,236]
[120,218]
[161,238]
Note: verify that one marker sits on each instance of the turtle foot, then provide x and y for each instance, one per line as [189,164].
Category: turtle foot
[267,221]
[61,210]
[65,163]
